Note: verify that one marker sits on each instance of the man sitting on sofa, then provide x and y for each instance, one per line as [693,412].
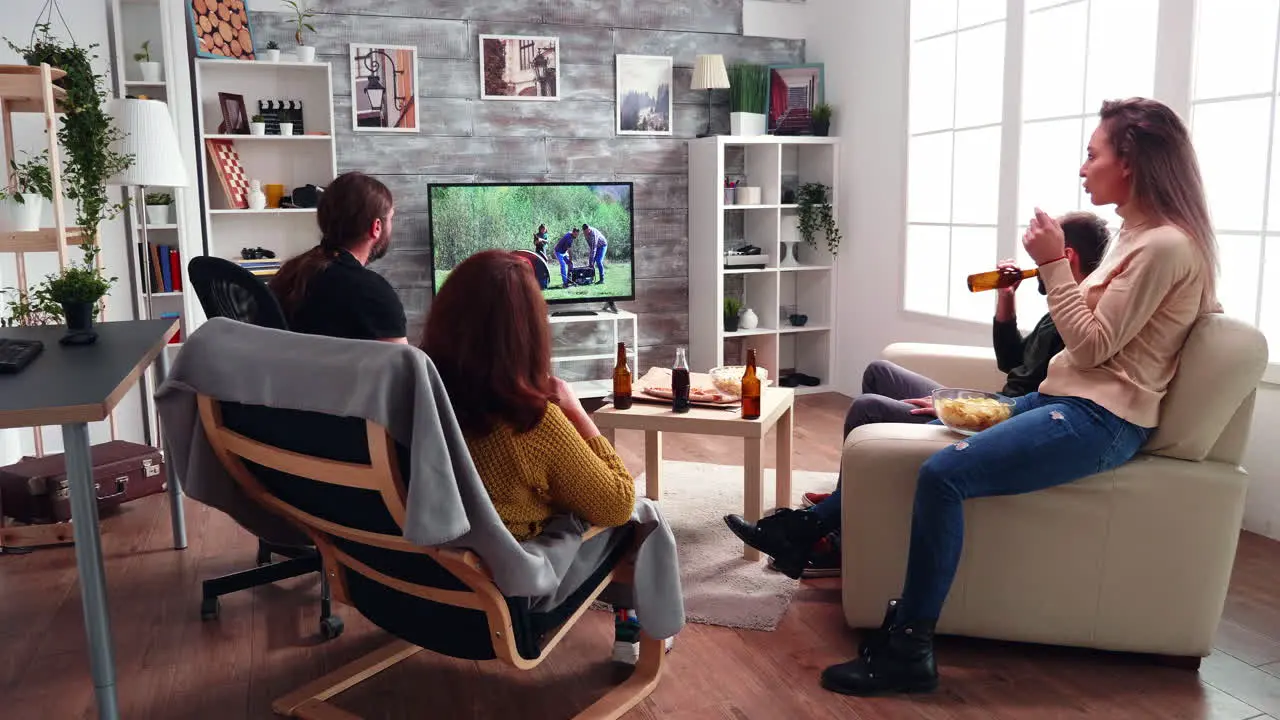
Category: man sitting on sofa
[807,543]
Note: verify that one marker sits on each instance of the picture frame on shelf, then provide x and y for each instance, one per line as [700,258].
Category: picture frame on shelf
[643,96]
[519,67]
[235,119]
[221,29]
[384,88]
[794,90]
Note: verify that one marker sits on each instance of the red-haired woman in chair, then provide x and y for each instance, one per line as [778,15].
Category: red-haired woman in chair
[537,451]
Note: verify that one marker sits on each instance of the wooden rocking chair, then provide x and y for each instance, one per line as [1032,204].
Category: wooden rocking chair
[339,479]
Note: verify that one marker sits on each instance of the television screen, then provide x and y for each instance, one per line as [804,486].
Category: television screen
[576,236]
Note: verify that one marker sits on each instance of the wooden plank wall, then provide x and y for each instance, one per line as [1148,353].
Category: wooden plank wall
[465,139]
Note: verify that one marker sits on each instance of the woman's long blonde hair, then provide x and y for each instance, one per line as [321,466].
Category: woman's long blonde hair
[1166,182]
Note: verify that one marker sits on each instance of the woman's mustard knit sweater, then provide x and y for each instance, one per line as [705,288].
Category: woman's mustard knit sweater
[533,475]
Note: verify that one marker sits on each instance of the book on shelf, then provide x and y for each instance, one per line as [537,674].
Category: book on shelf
[161,268]
[177,337]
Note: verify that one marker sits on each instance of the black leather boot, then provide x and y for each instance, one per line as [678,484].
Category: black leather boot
[904,664]
[787,536]
[875,639]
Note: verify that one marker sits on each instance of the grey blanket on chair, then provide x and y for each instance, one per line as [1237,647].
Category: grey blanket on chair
[398,387]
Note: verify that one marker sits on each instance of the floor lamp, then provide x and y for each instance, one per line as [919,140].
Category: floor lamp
[147,135]
[709,74]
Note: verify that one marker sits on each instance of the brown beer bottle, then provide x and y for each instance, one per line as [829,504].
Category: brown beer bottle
[680,383]
[750,389]
[621,380]
[998,279]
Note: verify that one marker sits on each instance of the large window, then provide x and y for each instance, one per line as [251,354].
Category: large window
[1233,116]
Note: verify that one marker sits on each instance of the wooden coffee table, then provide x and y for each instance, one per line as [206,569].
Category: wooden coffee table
[776,409]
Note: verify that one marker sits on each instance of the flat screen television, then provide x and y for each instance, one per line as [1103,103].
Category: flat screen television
[572,265]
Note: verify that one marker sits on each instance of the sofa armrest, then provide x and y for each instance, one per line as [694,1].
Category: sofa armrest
[960,366]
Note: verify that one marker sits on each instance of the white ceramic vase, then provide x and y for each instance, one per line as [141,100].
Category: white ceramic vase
[748,320]
[24,216]
[286,129]
[150,71]
[306,53]
[158,215]
[746,124]
[789,258]
[257,198]
[257,128]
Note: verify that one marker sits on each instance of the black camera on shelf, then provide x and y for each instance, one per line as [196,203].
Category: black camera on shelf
[256,254]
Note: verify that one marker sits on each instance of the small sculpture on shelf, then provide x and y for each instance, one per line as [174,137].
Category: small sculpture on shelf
[257,198]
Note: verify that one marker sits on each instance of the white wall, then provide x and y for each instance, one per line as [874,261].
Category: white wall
[88,24]
[775,18]
[865,48]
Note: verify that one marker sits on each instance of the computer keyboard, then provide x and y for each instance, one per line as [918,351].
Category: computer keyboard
[17,354]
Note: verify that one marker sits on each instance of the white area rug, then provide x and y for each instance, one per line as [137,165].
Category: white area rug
[720,587]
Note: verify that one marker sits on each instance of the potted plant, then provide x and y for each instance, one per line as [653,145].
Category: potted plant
[301,14]
[286,128]
[257,125]
[816,217]
[273,51]
[821,118]
[78,289]
[748,89]
[732,308]
[28,309]
[149,68]
[86,131]
[158,206]
[30,184]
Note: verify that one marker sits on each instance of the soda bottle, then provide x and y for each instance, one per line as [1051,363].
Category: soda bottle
[680,383]
[621,380]
[750,389]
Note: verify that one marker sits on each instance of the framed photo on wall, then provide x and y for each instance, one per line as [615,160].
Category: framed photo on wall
[384,88]
[644,95]
[516,67]
[220,28]
[794,90]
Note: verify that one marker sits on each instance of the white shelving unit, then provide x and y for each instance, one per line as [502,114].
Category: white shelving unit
[291,161]
[598,388]
[767,162]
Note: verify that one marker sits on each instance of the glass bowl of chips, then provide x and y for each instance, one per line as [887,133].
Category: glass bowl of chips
[728,378]
[969,412]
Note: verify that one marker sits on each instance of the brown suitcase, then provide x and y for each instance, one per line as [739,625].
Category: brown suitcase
[34,490]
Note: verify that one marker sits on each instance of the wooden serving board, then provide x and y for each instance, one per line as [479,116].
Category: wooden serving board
[655,386]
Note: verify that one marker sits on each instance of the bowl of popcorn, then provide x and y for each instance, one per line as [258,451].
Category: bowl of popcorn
[969,412]
[728,378]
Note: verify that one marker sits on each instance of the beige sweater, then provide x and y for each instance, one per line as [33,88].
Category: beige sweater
[1125,324]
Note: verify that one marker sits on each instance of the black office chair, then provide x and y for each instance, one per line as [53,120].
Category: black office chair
[227,290]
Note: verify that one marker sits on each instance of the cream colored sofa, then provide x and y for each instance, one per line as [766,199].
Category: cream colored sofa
[1136,559]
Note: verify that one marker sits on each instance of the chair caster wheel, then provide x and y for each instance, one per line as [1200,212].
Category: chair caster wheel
[331,627]
[209,608]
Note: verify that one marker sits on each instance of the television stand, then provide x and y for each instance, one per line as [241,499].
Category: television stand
[610,307]
[574,313]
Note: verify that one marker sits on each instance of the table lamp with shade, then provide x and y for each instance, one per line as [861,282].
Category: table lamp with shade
[709,74]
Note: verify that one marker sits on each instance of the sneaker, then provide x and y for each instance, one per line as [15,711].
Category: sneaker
[810,499]
[824,560]
[628,653]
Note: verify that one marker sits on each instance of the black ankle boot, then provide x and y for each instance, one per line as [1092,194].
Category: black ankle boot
[788,536]
[875,640]
[903,664]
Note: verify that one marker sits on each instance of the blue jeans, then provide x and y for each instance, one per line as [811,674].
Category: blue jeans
[1049,441]
[565,266]
[597,259]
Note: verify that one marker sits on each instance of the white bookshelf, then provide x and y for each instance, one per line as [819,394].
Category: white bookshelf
[621,322]
[291,161]
[716,226]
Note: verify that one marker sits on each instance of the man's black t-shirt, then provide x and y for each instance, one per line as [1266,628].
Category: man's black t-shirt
[348,300]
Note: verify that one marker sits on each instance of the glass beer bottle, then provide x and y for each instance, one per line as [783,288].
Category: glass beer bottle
[995,279]
[680,383]
[750,389]
[621,380]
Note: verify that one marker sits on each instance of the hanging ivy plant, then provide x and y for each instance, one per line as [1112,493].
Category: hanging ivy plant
[85,132]
[816,217]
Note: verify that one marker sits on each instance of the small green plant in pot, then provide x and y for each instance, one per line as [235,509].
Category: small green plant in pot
[149,68]
[748,93]
[821,118]
[158,207]
[257,125]
[816,216]
[732,309]
[272,52]
[301,14]
[79,290]
[30,184]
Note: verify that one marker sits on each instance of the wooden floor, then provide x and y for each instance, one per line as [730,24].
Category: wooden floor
[172,665]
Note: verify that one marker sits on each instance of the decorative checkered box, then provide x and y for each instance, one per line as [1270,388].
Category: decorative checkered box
[226,163]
